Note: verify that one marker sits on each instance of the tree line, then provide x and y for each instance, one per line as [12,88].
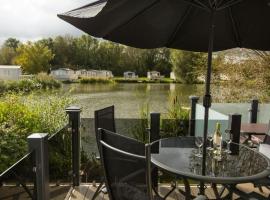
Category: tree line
[86,52]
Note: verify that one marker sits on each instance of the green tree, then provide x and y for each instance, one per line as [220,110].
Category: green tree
[34,57]
[187,65]
[7,55]
[12,43]
[8,51]
[64,51]
[163,62]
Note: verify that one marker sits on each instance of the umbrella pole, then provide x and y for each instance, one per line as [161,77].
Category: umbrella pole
[207,97]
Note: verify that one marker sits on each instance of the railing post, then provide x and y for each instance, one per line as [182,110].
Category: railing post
[235,128]
[154,135]
[38,142]
[74,122]
[253,111]
[192,120]
[154,126]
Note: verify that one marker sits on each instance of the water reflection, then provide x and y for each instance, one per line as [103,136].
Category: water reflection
[128,98]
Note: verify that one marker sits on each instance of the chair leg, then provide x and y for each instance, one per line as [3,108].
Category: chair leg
[173,188]
[98,190]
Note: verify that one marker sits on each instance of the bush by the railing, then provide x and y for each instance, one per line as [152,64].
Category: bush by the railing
[176,120]
[22,115]
[41,81]
[139,131]
[91,168]
[96,80]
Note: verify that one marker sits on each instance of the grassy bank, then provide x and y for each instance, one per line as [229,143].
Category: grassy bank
[41,81]
[144,80]
[95,80]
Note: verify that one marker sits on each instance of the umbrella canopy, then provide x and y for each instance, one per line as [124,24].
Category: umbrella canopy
[179,24]
[194,25]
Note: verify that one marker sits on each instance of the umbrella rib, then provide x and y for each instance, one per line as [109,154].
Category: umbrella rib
[198,4]
[220,3]
[201,5]
[229,4]
[235,28]
[132,18]
[179,25]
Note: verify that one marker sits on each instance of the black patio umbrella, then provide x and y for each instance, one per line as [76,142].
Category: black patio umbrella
[194,25]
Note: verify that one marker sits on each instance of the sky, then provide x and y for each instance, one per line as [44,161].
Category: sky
[36,19]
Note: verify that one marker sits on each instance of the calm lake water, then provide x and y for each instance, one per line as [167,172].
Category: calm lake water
[129,98]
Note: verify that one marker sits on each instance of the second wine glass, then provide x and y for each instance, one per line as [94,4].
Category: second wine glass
[199,144]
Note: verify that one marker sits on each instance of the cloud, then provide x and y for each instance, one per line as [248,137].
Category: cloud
[35,19]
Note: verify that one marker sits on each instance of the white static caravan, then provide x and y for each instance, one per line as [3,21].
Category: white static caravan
[10,72]
[104,74]
[81,73]
[64,74]
[172,76]
[94,73]
[130,75]
[154,75]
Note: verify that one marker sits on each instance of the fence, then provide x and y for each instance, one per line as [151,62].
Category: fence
[54,164]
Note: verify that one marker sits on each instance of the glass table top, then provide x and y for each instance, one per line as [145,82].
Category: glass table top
[177,155]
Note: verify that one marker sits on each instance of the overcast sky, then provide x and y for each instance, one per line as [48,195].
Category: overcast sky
[35,19]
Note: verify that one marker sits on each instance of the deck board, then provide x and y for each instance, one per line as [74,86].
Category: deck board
[86,192]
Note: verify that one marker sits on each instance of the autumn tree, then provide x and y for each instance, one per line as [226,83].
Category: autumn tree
[34,57]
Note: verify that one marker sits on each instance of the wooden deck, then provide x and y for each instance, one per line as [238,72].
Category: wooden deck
[86,191]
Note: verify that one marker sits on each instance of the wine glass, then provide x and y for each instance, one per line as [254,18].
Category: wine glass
[228,141]
[199,144]
[210,139]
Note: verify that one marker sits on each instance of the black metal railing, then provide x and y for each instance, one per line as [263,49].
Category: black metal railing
[18,181]
[60,163]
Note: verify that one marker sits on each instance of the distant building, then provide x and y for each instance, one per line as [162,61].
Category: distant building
[172,76]
[10,72]
[105,74]
[81,73]
[130,75]
[94,73]
[154,75]
[64,74]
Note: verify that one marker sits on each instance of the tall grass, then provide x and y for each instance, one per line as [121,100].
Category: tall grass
[140,130]
[175,121]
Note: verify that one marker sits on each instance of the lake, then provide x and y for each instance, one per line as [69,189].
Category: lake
[129,98]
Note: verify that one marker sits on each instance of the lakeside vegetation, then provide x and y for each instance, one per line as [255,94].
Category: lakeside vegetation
[21,115]
[96,80]
[40,81]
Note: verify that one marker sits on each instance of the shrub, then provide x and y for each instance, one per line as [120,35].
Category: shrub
[41,81]
[47,82]
[22,115]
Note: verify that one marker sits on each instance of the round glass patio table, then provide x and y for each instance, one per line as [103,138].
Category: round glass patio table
[177,155]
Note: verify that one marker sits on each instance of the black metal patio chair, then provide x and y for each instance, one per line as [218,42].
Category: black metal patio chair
[104,118]
[127,174]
